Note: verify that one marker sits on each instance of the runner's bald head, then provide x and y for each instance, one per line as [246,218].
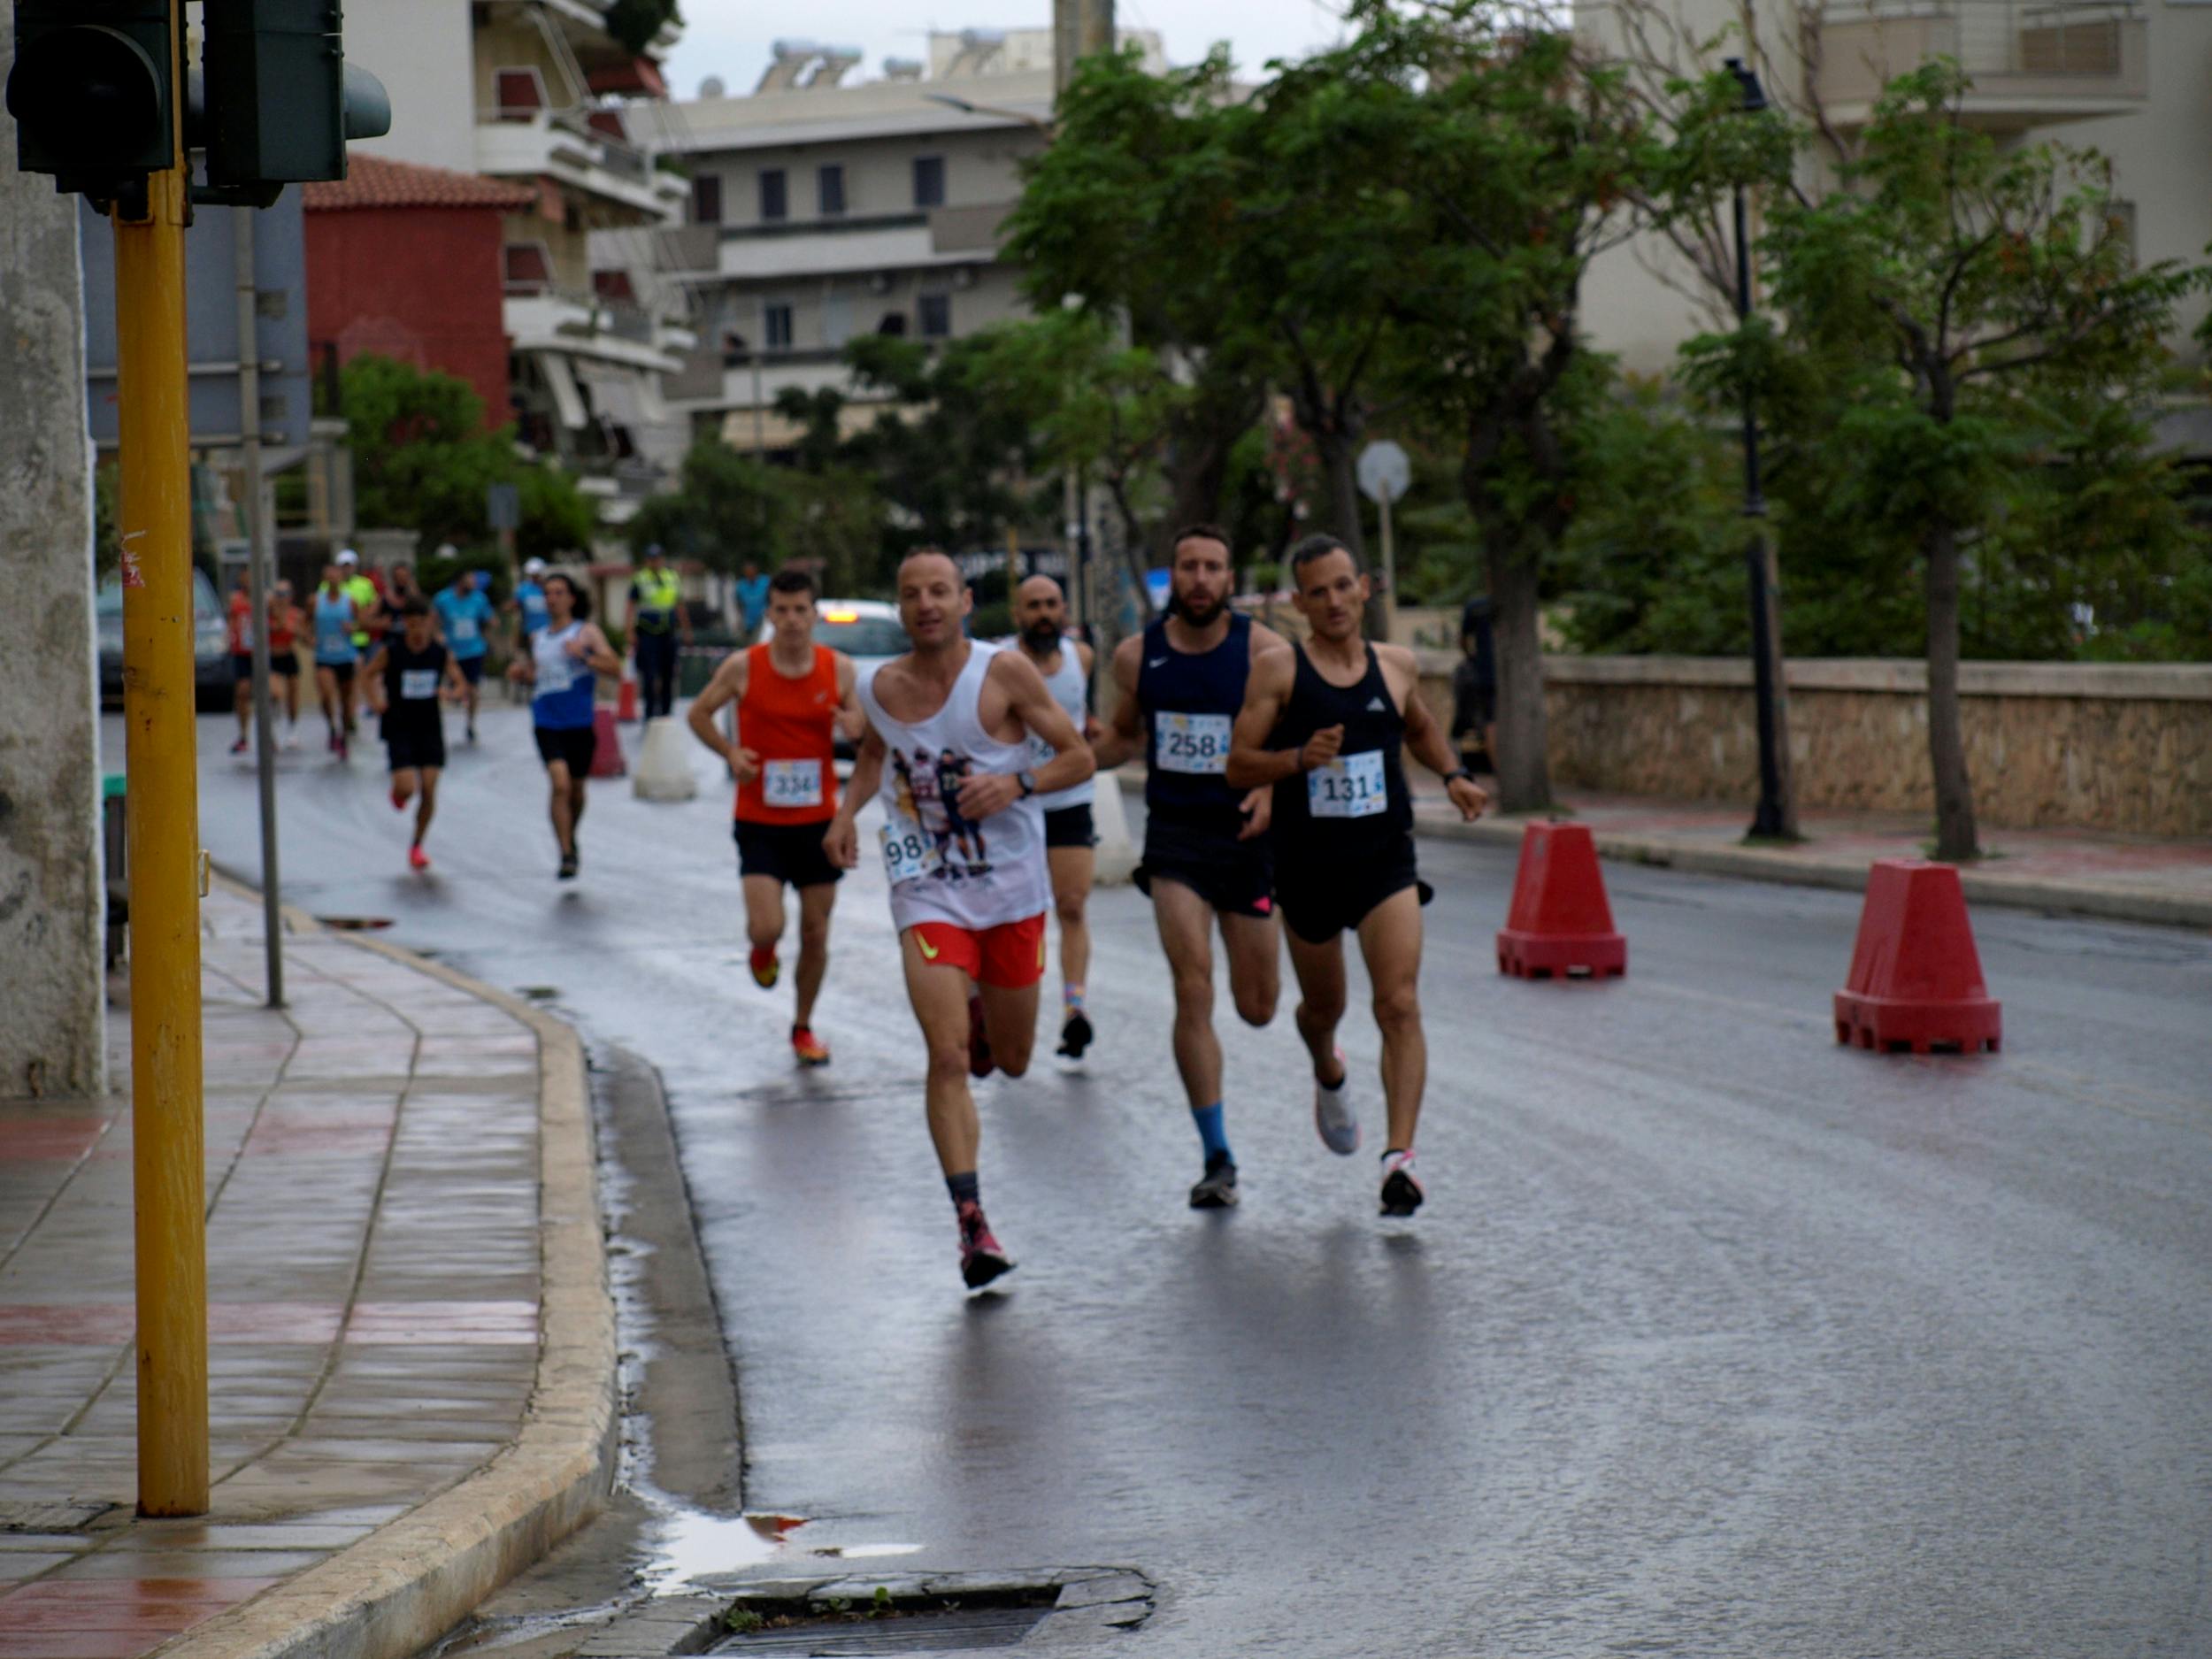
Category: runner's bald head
[1039,587]
[923,557]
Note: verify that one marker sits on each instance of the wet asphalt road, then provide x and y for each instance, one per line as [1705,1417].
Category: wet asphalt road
[1714,1339]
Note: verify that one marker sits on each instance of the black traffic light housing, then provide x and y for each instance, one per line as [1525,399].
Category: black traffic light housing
[93,91]
[280,101]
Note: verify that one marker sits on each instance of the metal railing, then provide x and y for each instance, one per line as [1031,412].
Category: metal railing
[2058,38]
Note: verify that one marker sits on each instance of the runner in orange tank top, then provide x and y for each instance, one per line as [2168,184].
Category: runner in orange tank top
[791,696]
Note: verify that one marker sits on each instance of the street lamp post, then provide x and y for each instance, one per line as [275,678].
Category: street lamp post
[1775,816]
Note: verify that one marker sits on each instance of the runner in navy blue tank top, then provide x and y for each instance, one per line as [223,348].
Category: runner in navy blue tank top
[1325,726]
[1206,856]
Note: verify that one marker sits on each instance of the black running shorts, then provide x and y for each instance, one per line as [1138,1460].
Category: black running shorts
[789,852]
[1234,877]
[471,667]
[575,744]
[1319,902]
[1071,826]
[411,750]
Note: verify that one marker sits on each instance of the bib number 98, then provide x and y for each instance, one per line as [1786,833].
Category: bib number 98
[907,853]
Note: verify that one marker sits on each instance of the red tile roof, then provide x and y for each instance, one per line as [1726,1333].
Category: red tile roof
[378,182]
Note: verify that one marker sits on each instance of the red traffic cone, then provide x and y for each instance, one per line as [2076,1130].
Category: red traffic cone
[1560,923]
[1916,979]
[606,754]
[625,697]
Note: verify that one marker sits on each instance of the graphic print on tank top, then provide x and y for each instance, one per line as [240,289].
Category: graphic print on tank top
[944,865]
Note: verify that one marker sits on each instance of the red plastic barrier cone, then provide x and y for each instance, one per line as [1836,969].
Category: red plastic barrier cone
[1560,922]
[626,698]
[606,754]
[1915,977]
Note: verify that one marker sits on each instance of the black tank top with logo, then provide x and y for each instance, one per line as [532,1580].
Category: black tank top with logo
[1357,805]
[410,687]
[1189,702]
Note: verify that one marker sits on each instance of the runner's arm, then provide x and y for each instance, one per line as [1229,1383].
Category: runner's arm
[1122,738]
[372,680]
[1426,742]
[1252,764]
[842,841]
[1030,701]
[598,655]
[727,686]
[852,719]
[1087,657]
[457,688]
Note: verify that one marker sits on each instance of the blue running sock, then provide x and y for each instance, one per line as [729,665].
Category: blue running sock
[965,1188]
[1215,1138]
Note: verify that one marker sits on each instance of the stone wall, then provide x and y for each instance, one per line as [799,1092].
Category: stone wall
[2126,749]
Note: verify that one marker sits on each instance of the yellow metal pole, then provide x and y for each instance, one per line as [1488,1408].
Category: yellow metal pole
[164,820]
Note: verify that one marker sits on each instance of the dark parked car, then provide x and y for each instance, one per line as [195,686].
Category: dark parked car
[211,644]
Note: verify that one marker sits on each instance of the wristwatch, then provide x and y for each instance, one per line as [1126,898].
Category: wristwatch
[1451,777]
[1028,781]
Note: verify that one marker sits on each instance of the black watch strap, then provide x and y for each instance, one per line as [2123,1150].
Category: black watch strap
[1455,775]
[1028,781]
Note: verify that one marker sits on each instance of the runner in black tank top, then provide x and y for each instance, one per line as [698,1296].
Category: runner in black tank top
[1326,727]
[405,680]
[1206,861]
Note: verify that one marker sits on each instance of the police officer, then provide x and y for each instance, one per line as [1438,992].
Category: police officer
[657,615]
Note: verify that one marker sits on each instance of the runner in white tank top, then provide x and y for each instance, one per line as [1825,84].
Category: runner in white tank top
[1040,612]
[963,845]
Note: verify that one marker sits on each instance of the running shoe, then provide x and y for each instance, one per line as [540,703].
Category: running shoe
[982,1258]
[568,867]
[1333,1114]
[1075,1036]
[399,801]
[239,748]
[345,748]
[810,1048]
[1218,1189]
[980,1061]
[766,968]
[1401,1194]
[330,741]
[471,732]
[418,859]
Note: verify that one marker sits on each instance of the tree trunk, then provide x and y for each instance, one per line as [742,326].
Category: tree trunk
[1523,770]
[1955,839]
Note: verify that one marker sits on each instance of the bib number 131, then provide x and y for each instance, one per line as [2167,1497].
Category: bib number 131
[1351,786]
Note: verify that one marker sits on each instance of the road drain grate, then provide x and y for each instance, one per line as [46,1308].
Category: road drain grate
[960,1630]
[953,1612]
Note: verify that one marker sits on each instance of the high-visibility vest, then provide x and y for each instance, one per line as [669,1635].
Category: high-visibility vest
[659,593]
[362,592]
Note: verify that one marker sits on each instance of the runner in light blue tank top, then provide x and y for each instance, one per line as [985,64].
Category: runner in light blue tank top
[334,618]
[566,659]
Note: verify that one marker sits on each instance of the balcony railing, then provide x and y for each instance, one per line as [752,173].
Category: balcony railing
[2030,60]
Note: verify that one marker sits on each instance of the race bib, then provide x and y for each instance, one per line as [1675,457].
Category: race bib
[907,853]
[557,673]
[1351,786]
[792,783]
[416,685]
[463,629]
[1192,742]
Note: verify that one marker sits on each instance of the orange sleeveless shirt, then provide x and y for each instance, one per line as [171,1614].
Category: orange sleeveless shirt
[792,725]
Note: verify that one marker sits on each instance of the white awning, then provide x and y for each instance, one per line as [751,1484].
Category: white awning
[560,380]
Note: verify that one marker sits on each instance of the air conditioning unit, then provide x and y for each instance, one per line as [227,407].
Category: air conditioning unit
[879,283]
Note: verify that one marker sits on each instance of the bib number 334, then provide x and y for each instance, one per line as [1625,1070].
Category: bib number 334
[1351,786]
[792,783]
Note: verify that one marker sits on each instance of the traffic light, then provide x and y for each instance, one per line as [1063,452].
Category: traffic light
[280,100]
[93,92]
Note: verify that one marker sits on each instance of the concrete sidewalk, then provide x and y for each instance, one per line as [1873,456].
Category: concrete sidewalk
[412,1344]
[2135,879]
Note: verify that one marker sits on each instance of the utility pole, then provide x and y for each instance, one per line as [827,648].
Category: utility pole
[1079,27]
[257,595]
[163,816]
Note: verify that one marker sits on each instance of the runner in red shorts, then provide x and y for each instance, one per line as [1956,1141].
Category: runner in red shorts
[964,846]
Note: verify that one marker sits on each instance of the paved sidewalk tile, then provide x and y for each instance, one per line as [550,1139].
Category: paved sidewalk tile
[373,1319]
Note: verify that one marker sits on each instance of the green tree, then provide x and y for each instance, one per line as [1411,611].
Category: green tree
[1124,216]
[727,509]
[1967,304]
[423,460]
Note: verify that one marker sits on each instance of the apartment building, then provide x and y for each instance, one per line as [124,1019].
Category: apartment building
[820,211]
[541,93]
[2130,78]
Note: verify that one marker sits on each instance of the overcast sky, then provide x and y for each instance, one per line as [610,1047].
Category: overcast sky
[730,38]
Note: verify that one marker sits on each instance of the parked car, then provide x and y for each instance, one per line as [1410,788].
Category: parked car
[211,643]
[866,630]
